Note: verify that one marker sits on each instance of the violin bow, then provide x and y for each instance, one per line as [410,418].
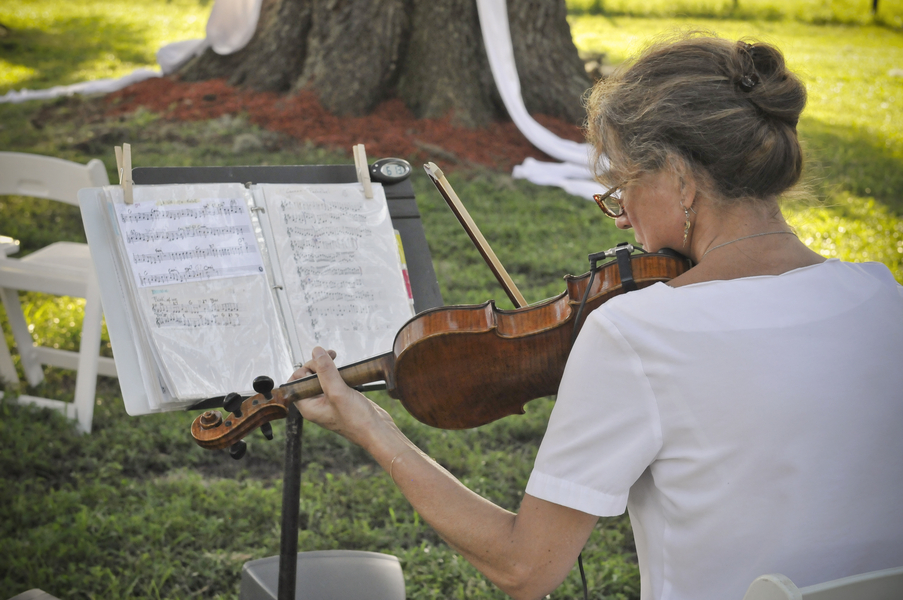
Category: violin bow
[457,207]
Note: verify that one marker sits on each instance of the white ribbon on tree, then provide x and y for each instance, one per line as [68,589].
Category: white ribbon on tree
[573,173]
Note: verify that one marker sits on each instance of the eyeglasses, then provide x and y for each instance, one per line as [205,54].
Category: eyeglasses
[610,202]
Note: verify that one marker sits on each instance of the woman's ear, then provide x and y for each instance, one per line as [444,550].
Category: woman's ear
[686,180]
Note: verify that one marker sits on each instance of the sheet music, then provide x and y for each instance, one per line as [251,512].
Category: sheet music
[201,292]
[215,336]
[188,239]
[341,267]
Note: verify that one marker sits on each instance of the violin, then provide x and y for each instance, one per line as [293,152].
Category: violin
[459,367]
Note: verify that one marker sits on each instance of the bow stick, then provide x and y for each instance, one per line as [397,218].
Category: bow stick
[451,198]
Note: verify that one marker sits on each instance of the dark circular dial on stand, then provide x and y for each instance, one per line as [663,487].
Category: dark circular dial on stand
[390,170]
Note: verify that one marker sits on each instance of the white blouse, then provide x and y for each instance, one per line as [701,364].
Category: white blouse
[749,426]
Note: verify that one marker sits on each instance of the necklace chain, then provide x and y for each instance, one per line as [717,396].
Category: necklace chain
[746,237]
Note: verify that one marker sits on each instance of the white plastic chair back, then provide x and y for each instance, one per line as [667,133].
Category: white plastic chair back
[48,177]
[62,268]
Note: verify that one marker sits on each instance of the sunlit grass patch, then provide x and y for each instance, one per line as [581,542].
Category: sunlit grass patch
[59,42]
[849,71]
[851,228]
[858,12]
[11,73]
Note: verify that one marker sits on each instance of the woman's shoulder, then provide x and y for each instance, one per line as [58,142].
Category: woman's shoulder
[810,292]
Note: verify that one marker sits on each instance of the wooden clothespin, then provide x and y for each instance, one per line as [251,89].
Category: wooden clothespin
[124,166]
[363,169]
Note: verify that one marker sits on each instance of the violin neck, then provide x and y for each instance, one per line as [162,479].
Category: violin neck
[378,368]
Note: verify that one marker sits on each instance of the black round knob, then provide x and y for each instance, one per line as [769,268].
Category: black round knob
[267,431]
[232,403]
[263,385]
[238,449]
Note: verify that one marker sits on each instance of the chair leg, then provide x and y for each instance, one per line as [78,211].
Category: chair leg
[7,368]
[88,356]
[31,364]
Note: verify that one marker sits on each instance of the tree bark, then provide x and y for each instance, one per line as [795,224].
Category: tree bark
[355,54]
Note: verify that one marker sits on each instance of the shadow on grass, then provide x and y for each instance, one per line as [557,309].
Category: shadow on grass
[846,159]
[97,45]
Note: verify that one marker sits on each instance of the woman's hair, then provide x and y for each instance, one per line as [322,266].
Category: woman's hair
[729,109]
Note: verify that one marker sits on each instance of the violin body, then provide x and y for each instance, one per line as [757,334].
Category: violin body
[459,367]
[464,366]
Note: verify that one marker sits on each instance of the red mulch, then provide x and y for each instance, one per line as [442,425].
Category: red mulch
[391,130]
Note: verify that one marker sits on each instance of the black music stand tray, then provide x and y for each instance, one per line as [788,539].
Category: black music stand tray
[424,286]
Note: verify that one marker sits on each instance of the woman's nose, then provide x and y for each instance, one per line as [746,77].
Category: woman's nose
[623,222]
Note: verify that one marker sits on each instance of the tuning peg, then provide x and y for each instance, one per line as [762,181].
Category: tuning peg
[238,449]
[267,431]
[232,403]
[263,385]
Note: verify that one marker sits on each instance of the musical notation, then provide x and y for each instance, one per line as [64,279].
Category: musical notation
[208,312]
[202,298]
[310,242]
[184,233]
[163,211]
[174,276]
[330,270]
[197,253]
[315,219]
[161,240]
[340,262]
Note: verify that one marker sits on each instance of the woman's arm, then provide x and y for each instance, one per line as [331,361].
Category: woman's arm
[527,554]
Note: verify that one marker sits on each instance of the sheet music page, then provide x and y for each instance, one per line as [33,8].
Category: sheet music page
[201,288]
[341,267]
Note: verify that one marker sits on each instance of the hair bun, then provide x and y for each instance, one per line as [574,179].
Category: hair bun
[781,95]
[728,108]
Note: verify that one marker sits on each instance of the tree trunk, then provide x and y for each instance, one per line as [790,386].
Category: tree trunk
[429,53]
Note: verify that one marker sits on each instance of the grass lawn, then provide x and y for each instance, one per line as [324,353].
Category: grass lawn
[137,510]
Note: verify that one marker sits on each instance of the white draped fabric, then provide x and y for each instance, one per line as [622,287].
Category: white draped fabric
[573,174]
[98,86]
[232,24]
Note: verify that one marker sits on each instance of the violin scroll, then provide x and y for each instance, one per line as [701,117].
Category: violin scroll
[270,403]
[211,430]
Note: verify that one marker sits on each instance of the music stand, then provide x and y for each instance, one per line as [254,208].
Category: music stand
[424,286]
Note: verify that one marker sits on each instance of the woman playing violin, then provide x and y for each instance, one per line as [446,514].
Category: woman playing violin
[745,414]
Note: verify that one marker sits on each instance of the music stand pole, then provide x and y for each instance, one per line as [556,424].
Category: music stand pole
[291,498]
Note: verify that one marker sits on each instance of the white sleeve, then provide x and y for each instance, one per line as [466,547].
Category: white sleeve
[604,429]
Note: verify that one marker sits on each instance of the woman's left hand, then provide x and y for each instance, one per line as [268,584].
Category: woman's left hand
[339,409]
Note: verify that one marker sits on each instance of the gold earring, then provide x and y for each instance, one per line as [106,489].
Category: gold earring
[687,224]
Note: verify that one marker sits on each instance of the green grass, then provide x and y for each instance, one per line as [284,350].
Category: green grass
[59,42]
[136,510]
[819,12]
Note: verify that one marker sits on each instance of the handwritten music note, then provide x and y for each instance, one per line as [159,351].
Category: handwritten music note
[341,267]
[213,333]
[189,240]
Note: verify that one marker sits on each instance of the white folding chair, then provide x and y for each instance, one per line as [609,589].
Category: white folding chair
[62,269]
[876,585]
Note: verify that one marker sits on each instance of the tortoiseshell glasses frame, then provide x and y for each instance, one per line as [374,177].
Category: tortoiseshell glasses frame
[610,202]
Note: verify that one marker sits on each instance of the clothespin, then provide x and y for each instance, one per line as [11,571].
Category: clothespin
[363,169]
[124,166]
